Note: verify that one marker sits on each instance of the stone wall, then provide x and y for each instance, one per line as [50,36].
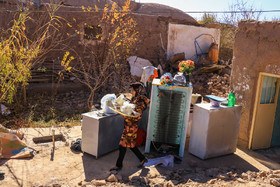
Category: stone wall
[256,50]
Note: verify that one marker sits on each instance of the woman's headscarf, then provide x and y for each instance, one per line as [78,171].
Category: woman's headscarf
[138,87]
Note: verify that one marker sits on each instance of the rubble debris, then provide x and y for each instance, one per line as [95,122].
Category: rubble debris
[112,178]
[275,182]
[212,181]
[177,57]
[240,180]
[189,181]
[274,176]
[212,68]
[222,177]
[229,174]
[252,174]
[211,83]
[217,85]
[153,173]
[99,182]
[244,176]
[276,172]
[262,174]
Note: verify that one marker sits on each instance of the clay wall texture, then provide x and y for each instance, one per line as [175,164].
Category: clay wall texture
[153,29]
[152,25]
[256,49]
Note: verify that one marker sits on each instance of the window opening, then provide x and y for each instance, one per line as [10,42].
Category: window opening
[268,90]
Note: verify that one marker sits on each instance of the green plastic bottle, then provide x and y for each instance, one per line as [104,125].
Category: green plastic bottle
[231,99]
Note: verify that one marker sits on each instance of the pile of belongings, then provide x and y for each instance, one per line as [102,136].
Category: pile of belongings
[111,104]
[123,103]
[12,146]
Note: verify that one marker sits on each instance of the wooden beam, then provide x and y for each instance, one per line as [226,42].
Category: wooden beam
[45,139]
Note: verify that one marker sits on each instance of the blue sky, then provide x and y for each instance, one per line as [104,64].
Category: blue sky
[219,5]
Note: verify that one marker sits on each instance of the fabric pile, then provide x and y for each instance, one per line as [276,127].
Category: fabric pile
[12,146]
[163,161]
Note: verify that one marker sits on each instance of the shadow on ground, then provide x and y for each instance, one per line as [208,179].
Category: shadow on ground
[272,153]
[190,167]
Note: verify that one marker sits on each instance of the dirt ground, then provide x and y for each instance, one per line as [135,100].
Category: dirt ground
[66,168]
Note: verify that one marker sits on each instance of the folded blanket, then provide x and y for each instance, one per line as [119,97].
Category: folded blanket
[164,161]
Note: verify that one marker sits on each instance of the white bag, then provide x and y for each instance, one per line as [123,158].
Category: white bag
[106,102]
[120,100]
[127,108]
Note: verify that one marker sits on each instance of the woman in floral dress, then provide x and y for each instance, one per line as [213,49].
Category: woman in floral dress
[128,139]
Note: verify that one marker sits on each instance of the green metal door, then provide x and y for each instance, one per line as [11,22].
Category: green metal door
[275,140]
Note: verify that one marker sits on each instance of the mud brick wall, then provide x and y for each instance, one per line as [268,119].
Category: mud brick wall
[152,29]
[256,49]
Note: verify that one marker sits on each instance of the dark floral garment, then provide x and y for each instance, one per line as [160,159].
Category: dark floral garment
[129,135]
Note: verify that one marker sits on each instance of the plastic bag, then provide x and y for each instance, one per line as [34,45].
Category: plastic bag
[149,73]
[166,75]
[76,145]
[127,108]
[120,100]
[166,79]
[179,79]
[106,102]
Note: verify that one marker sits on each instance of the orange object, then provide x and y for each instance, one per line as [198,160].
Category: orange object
[213,53]
[151,78]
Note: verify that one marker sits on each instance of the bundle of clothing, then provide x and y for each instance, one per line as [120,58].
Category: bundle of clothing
[12,146]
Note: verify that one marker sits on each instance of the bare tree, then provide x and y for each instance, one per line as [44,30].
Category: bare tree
[241,9]
[107,65]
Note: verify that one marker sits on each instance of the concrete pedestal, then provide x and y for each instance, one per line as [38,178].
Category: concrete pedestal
[214,130]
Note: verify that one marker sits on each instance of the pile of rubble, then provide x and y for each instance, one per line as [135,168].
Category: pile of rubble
[208,78]
[193,177]
[215,81]
[219,85]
